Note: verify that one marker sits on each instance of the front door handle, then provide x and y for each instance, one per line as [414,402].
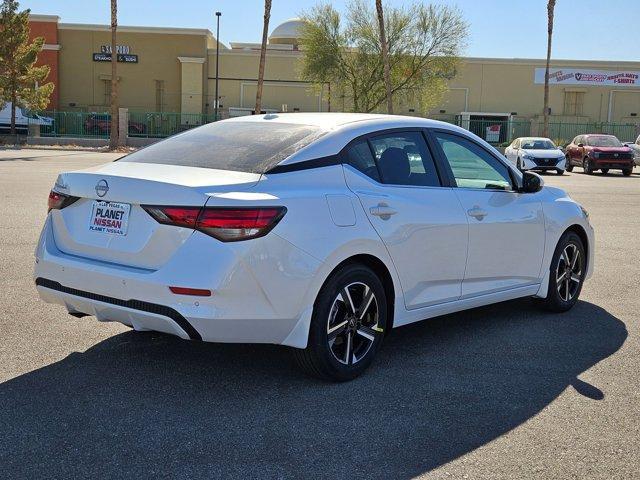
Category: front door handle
[477,213]
[383,211]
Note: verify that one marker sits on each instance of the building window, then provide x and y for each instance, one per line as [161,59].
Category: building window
[573,102]
[159,95]
[107,92]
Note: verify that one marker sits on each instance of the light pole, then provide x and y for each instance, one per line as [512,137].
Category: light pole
[218,14]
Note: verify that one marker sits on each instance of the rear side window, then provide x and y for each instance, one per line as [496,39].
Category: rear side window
[359,157]
[253,147]
[404,159]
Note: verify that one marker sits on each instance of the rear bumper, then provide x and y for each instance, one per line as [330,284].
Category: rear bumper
[258,286]
[135,313]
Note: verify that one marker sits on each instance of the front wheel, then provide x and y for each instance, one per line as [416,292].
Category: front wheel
[568,269]
[569,166]
[560,171]
[586,165]
[347,326]
[627,172]
[604,171]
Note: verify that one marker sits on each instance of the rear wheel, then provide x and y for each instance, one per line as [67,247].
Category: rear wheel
[560,172]
[568,268]
[627,172]
[347,326]
[586,165]
[604,171]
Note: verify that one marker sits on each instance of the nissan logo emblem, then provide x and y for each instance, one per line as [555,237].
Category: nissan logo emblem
[102,187]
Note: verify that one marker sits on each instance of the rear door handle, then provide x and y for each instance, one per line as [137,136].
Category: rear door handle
[477,213]
[383,211]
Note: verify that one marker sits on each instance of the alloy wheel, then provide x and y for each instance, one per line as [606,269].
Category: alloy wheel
[352,325]
[569,272]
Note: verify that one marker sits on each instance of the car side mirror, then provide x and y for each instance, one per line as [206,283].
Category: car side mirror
[581,145]
[531,182]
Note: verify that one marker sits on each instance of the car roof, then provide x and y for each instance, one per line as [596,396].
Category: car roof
[342,128]
[323,120]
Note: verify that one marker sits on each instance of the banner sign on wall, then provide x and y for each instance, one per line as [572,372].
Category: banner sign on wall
[575,76]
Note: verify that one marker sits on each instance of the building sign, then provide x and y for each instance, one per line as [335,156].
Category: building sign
[124,54]
[123,49]
[575,76]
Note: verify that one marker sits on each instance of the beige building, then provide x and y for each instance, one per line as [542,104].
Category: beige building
[174,70]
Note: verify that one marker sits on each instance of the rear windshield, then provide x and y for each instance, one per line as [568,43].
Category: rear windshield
[602,141]
[253,147]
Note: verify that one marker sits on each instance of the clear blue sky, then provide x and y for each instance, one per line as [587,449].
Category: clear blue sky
[498,28]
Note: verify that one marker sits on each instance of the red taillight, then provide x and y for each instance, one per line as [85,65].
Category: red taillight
[228,224]
[58,201]
[231,224]
[196,292]
[178,216]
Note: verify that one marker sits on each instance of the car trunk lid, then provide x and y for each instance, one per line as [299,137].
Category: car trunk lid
[108,222]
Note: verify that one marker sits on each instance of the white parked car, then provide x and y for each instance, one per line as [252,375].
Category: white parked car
[24,118]
[536,153]
[317,231]
[635,146]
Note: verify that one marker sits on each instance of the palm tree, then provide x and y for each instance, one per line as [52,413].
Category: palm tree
[263,54]
[551,5]
[113,131]
[385,56]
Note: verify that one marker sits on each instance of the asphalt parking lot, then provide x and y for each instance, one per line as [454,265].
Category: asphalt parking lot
[505,391]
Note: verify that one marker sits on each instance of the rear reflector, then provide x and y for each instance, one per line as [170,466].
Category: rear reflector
[196,292]
[58,201]
[227,224]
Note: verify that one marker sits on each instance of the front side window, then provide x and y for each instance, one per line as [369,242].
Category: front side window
[471,165]
[404,159]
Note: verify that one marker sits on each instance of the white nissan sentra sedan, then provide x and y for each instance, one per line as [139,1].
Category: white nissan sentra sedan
[536,153]
[321,232]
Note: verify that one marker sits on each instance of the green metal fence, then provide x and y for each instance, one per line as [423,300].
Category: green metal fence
[501,132]
[72,124]
[160,125]
[165,124]
[98,124]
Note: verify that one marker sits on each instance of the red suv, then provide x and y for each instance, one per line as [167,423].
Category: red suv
[599,152]
[100,124]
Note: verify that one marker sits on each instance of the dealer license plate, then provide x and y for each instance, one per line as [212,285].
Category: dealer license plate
[109,217]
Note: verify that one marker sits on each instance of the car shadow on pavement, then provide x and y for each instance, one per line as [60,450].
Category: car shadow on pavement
[149,405]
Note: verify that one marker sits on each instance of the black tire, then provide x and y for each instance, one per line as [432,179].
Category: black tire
[519,165]
[569,166]
[560,172]
[604,171]
[627,172]
[559,299]
[320,358]
[586,165]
